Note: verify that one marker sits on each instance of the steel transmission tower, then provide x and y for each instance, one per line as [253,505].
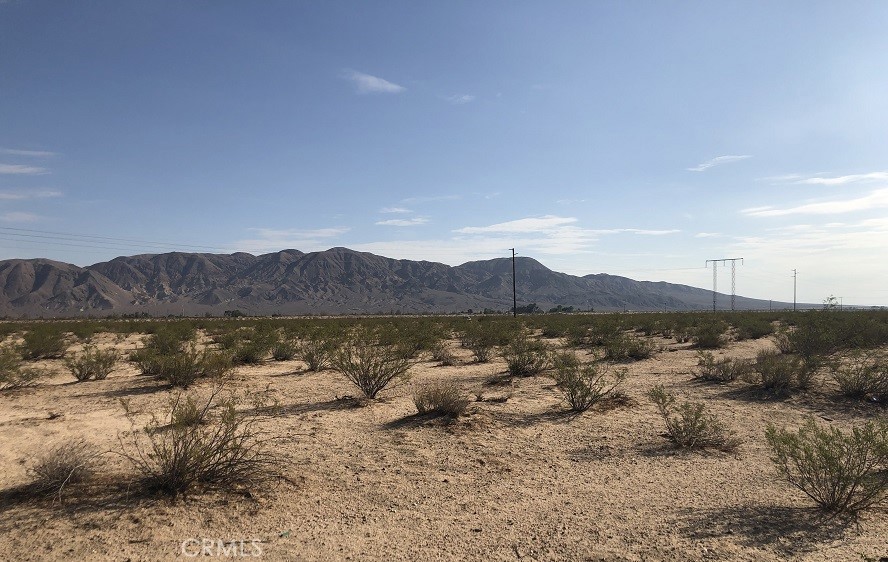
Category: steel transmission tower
[715,279]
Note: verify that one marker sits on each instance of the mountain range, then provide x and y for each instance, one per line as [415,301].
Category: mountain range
[335,281]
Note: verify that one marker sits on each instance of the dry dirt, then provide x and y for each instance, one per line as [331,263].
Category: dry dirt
[518,479]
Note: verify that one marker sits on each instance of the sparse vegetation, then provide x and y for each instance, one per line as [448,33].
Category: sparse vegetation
[316,350]
[370,365]
[722,370]
[283,350]
[710,334]
[208,444]
[690,426]
[584,385]
[63,465]
[12,374]
[624,347]
[863,375]
[445,399]
[43,341]
[526,356]
[841,472]
[781,374]
[92,363]
[184,368]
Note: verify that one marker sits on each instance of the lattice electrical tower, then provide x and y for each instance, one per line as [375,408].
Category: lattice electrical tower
[715,279]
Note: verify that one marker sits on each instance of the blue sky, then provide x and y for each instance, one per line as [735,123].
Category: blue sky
[633,138]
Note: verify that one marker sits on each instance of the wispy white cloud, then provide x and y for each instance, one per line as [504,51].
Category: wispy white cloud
[545,223]
[368,84]
[843,180]
[22,170]
[718,161]
[570,201]
[877,199]
[31,153]
[20,195]
[395,210]
[19,217]
[429,199]
[272,240]
[460,99]
[708,235]
[403,222]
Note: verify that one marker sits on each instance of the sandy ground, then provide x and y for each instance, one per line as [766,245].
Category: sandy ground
[518,479]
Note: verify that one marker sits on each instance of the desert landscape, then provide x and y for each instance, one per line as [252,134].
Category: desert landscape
[507,471]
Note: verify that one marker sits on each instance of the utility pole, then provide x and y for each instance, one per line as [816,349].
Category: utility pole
[715,279]
[514,291]
[794,274]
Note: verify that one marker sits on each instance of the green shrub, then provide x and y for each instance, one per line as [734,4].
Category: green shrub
[12,374]
[863,375]
[482,337]
[624,347]
[43,341]
[526,356]
[752,327]
[445,399]
[781,374]
[689,426]
[184,368]
[710,334]
[284,350]
[584,385]
[92,363]
[210,444]
[170,337]
[316,350]
[721,370]
[63,465]
[369,365]
[442,354]
[841,472]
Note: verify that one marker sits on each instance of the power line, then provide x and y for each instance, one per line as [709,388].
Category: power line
[715,279]
[96,239]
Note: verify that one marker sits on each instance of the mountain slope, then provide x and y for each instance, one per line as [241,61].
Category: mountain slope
[336,281]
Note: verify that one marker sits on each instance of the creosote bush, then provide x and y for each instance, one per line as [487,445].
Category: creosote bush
[201,444]
[689,426]
[370,365]
[585,384]
[92,363]
[863,375]
[442,354]
[283,350]
[316,350]
[781,374]
[445,399]
[842,472]
[721,370]
[184,368]
[43,341]
[623,347]
[710,334]
[63,465]
[526,356]
[12,374]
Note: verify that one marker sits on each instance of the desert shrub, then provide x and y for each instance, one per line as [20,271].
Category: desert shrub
[445,399]
[369,365]
[583,385]
[283,350]
[863,375]
[710,334]
[526,356]
[259,342]
[721,370]
[13,374]
[92,363]
[780,374]
[316,349]
[604,329]
[841,472]
[210,444]
[442,354]
[624,347]
[481,338]
[43,341]
[184,368]
[752,327]
[62,465]
[170,337]
[690,426]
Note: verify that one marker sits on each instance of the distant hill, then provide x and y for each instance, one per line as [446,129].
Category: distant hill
[336,281]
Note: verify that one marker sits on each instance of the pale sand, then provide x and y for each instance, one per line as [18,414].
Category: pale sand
[513,480]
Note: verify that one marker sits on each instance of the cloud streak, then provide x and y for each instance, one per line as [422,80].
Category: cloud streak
[369,84]
[403,222]
[877,199]
[33,194]
[718,161]
[460,99]
[22,170]
[273,240]
[29,153]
